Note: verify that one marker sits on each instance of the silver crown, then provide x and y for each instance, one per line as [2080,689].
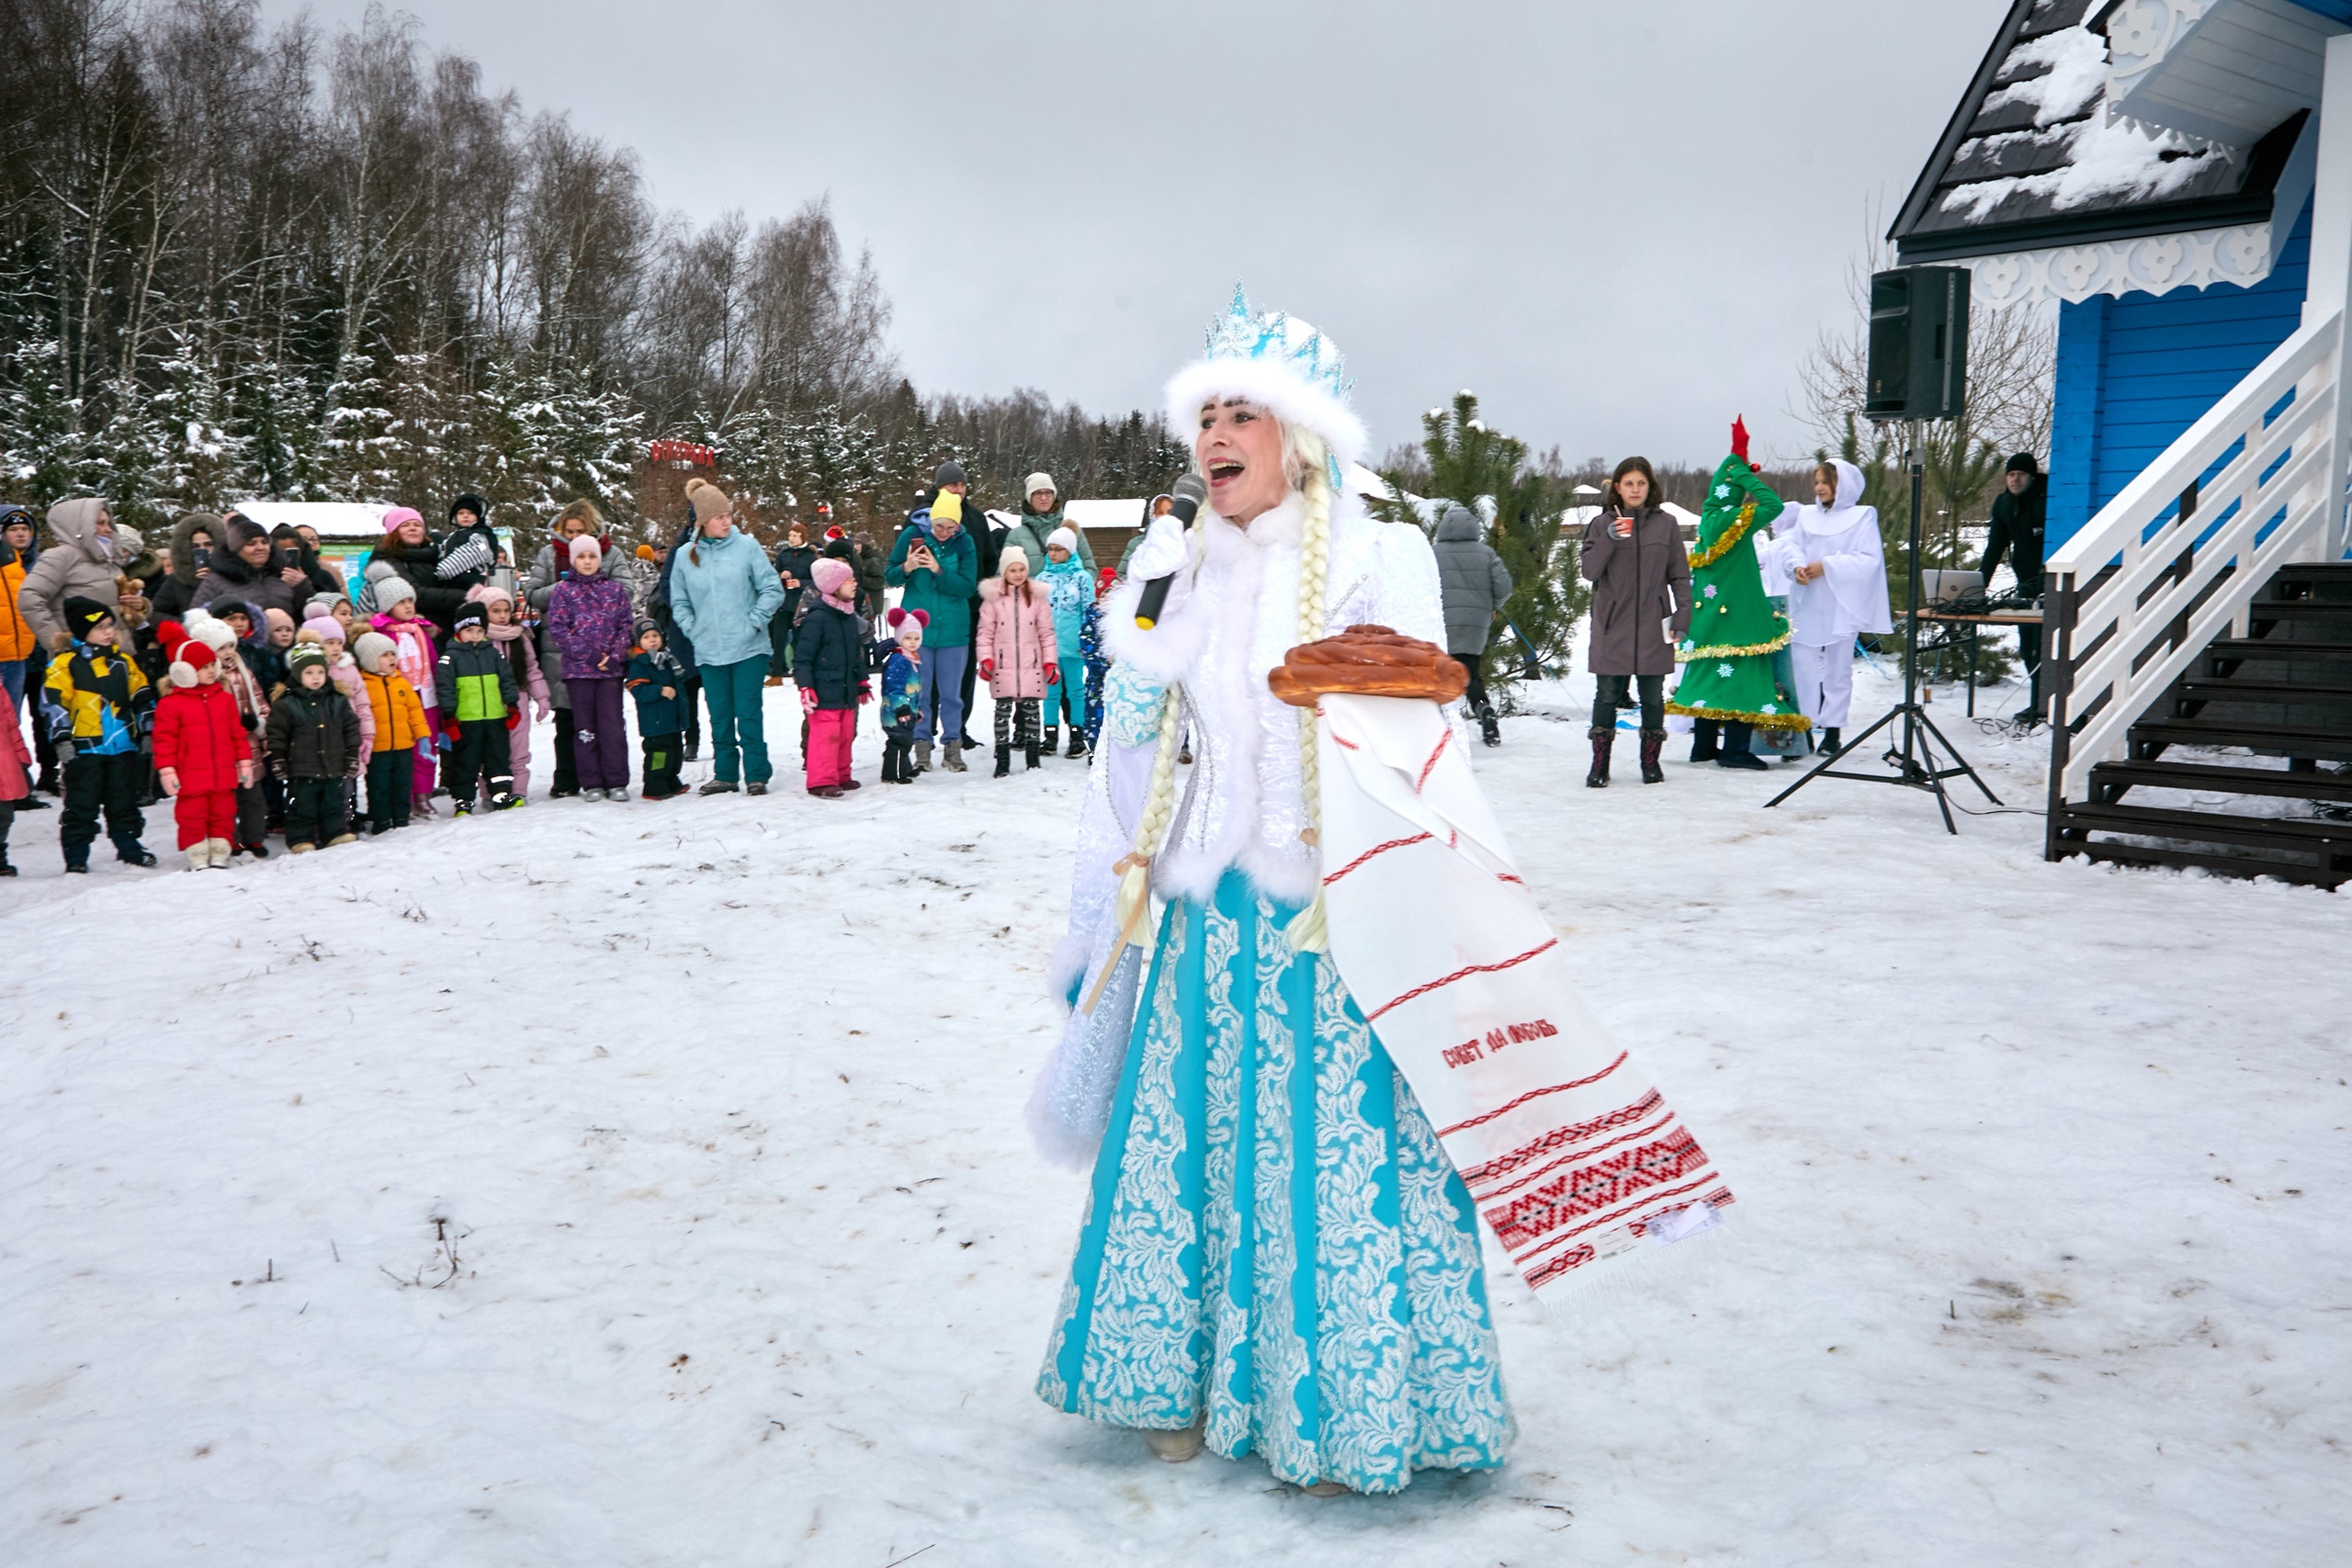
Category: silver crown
[1277,335]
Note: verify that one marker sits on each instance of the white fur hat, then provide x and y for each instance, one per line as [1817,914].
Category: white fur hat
[1278,362]
[1065,538]
[212,632]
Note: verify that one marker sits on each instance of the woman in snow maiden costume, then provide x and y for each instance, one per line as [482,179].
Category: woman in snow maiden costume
[1726,656]
[1279,1254]
[1277,1257]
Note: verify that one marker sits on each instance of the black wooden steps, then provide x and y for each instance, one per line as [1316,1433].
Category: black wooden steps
[2299,848]
[2149,857]
[2278,740]
[2226,689]
[2284,692]
[2119,777]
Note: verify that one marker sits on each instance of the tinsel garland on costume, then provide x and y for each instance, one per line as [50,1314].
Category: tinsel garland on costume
[1727,653]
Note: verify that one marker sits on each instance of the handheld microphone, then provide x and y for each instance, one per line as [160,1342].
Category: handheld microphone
[1188,495]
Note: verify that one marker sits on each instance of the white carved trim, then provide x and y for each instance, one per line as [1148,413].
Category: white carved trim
[2157,263]
[2139,36]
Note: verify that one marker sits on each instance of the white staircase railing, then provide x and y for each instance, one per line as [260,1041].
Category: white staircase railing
[2187,553]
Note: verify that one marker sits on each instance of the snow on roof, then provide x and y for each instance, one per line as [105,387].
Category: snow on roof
[2033,149]
[332,519]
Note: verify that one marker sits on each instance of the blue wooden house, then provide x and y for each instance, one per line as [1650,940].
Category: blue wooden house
[2176,176]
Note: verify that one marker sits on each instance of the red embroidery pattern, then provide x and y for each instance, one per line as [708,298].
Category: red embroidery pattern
[1376,850]
[1464,973]
[1557,1138]
[1434,755]
[1527,1220]
[1531,1094]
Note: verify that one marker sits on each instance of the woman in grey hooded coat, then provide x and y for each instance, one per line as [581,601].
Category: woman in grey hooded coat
[1476,585]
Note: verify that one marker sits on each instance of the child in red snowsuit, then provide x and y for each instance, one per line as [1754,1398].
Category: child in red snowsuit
[203,754]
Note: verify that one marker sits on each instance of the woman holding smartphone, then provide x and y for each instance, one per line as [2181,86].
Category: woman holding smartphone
[1633,556]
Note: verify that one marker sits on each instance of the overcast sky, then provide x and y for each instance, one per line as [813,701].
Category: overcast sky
[1618,225]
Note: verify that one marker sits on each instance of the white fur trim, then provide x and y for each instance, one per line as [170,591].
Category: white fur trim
[1168,649]
[1292,397]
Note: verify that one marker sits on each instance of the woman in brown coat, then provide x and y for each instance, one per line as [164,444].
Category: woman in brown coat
[1633,556]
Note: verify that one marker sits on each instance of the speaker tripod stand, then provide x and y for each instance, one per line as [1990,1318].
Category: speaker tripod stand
[1912,757]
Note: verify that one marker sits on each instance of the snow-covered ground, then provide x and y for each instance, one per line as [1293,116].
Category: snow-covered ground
[644,1185]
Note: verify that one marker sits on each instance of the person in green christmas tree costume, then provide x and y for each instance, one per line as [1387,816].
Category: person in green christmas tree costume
[1727,656]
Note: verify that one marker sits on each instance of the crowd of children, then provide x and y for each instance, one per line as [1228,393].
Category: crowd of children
[336,720]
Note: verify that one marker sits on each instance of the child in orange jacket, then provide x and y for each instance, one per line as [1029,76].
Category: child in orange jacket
[400,728]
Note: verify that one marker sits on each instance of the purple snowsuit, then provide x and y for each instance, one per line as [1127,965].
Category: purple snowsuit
[589,617]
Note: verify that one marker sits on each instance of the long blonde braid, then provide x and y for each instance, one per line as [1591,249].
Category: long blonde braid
[1133,906]
[1307,931]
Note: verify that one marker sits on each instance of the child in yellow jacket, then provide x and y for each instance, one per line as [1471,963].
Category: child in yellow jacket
[96,706]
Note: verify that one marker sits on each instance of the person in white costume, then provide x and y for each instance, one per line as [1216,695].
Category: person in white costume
[1834,564]
[1278,1256]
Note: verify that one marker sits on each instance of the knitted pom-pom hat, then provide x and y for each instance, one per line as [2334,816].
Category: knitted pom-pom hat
[899,620]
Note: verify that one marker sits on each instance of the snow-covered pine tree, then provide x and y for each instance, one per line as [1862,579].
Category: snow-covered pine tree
[41,450]
[1466,460]
[278,411]
[357,441]
[201,455]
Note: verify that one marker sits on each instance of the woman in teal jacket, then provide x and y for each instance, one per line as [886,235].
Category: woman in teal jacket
[723,593]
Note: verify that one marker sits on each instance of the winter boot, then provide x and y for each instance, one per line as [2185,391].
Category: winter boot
[199,856]
[47,784]
[1004,761]
[1830,746]
[922,756]
[953,757]
[1739,749]
[1077,742]
[1702,740]
[1490,727]
[220,851]
[1053,739]
[719,786]
[1653,742]
[1033,753]
[1602,741]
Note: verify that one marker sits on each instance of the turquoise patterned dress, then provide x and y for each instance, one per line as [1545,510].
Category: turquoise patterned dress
[1275,1243]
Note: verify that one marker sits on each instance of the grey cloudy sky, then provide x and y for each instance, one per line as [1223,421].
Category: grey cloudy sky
[1620,224]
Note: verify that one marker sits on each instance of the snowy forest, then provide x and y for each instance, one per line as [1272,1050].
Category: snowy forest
[239,261]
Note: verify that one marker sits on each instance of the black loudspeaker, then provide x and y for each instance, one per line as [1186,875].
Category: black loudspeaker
[1918,364]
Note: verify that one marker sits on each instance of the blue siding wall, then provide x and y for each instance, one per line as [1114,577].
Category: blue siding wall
[2135,372]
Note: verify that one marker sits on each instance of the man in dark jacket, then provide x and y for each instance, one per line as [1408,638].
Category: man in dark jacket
[2018,513]
[793,558]
[1474,583]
